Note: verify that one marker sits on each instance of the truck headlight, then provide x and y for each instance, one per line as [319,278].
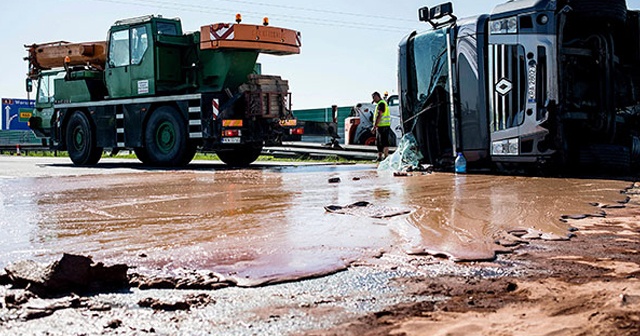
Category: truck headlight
[504,26]
[496,27]
[512,25]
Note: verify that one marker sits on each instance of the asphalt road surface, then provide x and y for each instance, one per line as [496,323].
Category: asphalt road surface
[267,225]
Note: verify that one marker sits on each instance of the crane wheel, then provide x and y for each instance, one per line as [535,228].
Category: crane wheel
[166,139]
[81,140]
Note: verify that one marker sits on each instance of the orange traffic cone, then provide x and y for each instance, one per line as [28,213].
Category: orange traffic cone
[18,150]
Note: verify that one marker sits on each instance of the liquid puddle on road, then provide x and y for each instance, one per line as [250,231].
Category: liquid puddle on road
[260,226]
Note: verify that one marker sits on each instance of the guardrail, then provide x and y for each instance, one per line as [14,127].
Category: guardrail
[23,142]
[23,149]
[320,150]
[20,142]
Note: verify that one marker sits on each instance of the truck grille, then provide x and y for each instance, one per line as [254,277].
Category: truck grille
[507,83]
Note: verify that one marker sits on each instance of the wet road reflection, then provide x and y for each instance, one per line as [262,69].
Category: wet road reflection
[270,225]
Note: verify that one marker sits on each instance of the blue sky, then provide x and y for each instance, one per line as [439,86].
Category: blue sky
[349,47]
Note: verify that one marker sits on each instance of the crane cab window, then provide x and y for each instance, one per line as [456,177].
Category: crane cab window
[139,44]
[46,88]
[119,49]
[165,28]
[127,47]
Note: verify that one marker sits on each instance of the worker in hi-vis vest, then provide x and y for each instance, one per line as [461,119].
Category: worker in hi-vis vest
[381,125]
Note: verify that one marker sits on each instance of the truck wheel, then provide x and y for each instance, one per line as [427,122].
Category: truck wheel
[370,141]
[166,138]
[240,156]
[366,138]
[81,141]
[614,10]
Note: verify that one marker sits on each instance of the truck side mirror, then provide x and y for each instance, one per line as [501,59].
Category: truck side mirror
[441,11]
[423,14]
[434,16]
[29,85]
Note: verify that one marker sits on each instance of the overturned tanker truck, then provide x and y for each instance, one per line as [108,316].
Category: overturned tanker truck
[164,94]
[536,83]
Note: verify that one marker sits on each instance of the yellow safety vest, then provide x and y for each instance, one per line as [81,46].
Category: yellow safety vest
[385,120]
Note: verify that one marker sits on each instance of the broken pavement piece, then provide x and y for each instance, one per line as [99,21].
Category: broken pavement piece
[499,249]
[614,206]
[509,242]
[156,304]
[199,300]
[366,209]
[620,204]
[518,232]
[532,234]
[25,272]
[509,239]
[211,281]
[114,324]
[99,307]
[162,283]
[4,278]
[39,308]
[70,274]
[203,284]
[13,300]
[576,216]
[32,314]
[554,237]
[600,214]
[73,301]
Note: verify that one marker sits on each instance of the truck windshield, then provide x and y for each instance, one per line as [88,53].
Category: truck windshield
[427,62]
[46,90]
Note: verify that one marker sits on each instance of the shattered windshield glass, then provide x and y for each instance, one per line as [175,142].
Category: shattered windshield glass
[428,61]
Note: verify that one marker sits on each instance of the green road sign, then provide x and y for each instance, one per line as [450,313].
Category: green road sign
[25,114]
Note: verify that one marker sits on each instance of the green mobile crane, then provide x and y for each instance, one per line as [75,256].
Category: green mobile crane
[164,94]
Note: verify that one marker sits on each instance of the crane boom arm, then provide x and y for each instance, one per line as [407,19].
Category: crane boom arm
[52,55]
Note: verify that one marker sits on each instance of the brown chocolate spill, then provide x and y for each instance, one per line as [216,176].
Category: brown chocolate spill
[460,215]
[260,227]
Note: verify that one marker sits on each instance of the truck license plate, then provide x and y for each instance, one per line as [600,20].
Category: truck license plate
[231,140]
